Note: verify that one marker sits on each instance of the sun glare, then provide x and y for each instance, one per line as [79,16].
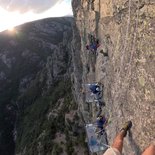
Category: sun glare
[11,29]
[11,19]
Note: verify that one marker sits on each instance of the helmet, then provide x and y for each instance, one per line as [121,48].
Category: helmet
[98,118]
[98,89]
[102,116]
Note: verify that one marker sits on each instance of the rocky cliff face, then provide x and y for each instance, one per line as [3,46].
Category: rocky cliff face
[37,110]
[38,114]
[126,32]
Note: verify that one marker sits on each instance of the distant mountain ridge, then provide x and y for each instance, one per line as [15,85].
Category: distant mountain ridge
[35,92]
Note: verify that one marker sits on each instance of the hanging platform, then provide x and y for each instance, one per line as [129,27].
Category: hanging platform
[95,143]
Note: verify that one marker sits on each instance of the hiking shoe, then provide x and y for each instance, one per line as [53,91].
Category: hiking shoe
[127,127]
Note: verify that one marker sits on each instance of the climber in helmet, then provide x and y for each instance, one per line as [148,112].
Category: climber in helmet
[101,123]
[94,88]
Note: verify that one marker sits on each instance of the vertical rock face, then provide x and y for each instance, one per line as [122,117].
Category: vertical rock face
[126,32]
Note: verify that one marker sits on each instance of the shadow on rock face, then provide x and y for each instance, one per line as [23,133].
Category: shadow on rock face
[105,54]
[133,144]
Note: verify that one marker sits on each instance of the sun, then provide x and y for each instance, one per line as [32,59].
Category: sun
[11,29]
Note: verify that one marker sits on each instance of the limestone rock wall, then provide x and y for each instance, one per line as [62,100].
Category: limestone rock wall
[126,30]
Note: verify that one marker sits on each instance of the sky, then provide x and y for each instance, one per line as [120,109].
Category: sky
[17,12]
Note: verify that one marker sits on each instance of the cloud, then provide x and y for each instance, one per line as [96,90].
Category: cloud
[22,6]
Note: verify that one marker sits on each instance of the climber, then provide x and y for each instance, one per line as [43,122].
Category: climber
[102,122]
[93,43]
[93,46]
[117,145]
[94,88]
[97,93]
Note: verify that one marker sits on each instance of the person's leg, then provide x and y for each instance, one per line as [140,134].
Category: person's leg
[118,141]
[149,150]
